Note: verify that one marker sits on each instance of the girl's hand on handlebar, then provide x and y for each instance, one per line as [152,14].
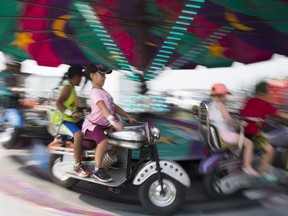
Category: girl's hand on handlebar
[118,126]
[131,120]
[243,123]
[233,123]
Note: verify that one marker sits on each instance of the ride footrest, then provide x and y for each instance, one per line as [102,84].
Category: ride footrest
[119,177]
[236,181]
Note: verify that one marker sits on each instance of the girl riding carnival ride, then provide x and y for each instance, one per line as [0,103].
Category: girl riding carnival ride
[162,184]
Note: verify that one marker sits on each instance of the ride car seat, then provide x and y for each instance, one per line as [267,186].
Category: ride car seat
[208,132]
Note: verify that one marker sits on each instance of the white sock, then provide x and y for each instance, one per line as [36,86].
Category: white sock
[77,164]
[96,169]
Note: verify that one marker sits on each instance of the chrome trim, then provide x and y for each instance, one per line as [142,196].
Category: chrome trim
[170,168]
[69,151]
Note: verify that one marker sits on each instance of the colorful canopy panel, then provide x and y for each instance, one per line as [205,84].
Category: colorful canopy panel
[144,35]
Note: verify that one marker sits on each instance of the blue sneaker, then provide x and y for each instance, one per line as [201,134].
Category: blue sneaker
[268,178]
[101,175]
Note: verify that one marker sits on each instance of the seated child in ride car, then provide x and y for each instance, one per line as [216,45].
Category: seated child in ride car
[259,108]
[223,121]
[67,103]
[101,117]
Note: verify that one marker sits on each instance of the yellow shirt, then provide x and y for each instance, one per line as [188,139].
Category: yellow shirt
[71,103]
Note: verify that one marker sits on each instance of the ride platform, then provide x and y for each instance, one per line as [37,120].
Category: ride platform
[119,177]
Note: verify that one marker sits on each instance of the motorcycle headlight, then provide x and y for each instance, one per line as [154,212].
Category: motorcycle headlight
[155,132]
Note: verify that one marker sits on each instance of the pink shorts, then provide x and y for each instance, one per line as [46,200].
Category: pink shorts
[97,134]
[229,136]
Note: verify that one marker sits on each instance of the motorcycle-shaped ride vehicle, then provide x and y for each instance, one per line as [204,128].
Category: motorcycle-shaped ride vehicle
[222,172]
[19,123]
[19,117]
[162,183]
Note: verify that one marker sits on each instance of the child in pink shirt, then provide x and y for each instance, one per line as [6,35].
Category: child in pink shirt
[101,117]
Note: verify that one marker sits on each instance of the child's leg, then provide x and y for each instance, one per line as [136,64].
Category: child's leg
[247,153]
[100,172]
[100,138]
[233,138]
[248,157]
[260,142]
[78,138]
[266,158]
[74,129]
[100,152]
[79,169]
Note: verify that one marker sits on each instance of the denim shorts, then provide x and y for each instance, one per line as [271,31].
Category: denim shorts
[73,127]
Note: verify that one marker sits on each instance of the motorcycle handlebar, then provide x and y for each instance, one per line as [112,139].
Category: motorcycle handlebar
[135,124]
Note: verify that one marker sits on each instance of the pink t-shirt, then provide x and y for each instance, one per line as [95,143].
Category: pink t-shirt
[96,116]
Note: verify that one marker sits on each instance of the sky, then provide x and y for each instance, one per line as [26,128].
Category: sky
[237,77]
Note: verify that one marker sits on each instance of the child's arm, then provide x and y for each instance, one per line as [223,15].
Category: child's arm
[64,96]
[282,114]
[226,115]
[108,115]
[121,112]
[59,103]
